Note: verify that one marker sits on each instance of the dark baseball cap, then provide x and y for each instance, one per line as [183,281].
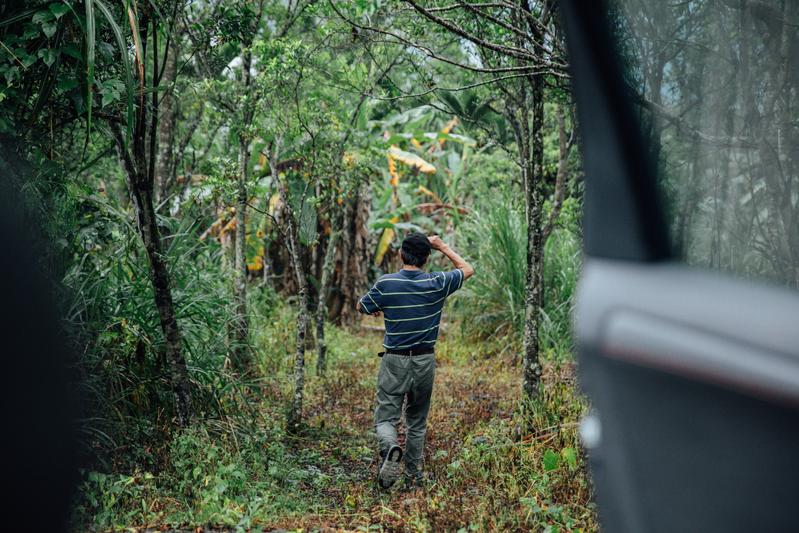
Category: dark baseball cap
[416,244]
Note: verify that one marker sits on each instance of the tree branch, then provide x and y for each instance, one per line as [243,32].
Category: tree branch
[430,53]
[446,24]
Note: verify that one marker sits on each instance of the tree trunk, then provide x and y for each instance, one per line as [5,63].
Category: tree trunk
[295,413]
[141,191]
[138,162]
[294,418]
[560,178]
[240,325]
[533,172]
[355,253]
[324,286]
[166,126]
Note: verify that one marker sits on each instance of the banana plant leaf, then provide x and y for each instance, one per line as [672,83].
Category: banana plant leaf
[411,160]
[385,241]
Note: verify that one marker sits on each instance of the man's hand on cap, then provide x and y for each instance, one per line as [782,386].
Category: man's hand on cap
[436,243]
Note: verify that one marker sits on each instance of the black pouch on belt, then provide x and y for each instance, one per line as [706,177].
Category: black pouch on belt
[381,354]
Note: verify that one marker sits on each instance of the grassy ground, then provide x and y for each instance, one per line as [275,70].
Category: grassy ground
[489,471]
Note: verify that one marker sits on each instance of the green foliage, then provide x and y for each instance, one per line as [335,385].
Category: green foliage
[47,49]
[496,239]
[422,188]
[118,329]
[562,260]
[303,204]
[215,478]
[273,329]
[115,500]
[478,111]
[117,86]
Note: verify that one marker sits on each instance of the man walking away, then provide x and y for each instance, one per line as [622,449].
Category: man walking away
[412,301]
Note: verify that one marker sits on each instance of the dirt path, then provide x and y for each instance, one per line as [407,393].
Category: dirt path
[465,398]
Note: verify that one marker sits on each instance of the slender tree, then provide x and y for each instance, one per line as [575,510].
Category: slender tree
[138,158]
[336,218]
[244,137]
[167,124]
[294,418]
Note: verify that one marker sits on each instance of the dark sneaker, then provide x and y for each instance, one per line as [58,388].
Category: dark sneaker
[390,469]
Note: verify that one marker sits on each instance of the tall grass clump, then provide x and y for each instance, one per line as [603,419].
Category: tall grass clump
[562,261]
[113,322]
[495,238]
[561,270]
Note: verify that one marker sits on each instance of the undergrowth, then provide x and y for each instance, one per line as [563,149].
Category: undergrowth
[495,465]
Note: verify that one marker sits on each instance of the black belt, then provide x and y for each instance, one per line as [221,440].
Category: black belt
[410,352]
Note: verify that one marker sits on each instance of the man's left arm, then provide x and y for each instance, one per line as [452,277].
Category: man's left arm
[369,303]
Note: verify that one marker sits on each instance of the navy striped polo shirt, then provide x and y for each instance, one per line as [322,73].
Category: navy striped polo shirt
[411,302]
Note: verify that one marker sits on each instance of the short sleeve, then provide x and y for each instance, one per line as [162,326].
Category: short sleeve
[453,280]
[371,302]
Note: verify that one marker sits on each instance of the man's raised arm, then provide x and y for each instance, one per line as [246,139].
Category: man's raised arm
[437,244]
